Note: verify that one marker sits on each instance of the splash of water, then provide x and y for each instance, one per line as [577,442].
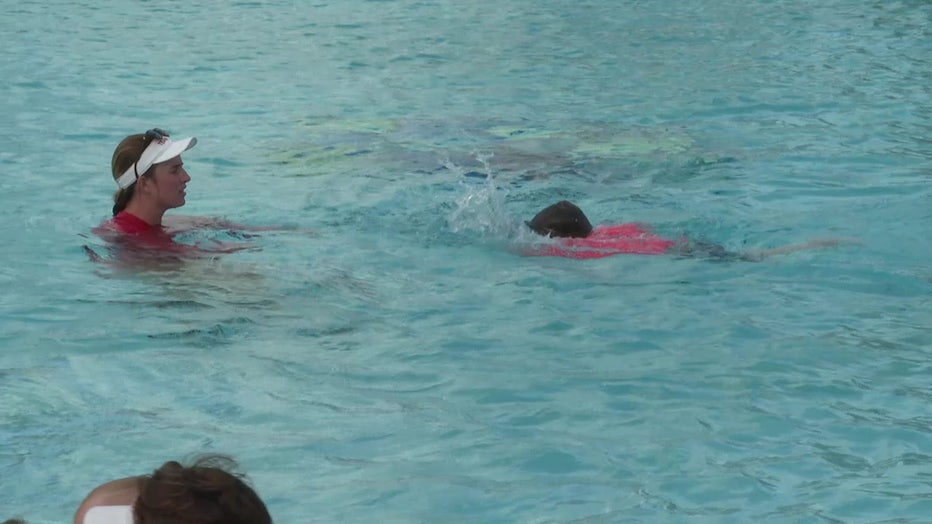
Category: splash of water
[481,210]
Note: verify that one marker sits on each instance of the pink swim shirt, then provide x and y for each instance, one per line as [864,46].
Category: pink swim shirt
[606,241]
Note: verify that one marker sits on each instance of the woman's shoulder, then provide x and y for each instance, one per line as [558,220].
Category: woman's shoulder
[124,222]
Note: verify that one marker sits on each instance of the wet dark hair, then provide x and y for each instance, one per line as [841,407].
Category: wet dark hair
[206,492]
[563,219]
[14,521]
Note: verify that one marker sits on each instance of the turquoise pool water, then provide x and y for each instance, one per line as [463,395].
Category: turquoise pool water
[406,364]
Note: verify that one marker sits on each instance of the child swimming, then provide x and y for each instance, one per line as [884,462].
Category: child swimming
[578,239]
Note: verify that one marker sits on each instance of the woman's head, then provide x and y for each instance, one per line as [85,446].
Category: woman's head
[207,492]
[149,164]
[563,219]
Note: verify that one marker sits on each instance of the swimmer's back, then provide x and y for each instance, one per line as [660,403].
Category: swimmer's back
[610,240]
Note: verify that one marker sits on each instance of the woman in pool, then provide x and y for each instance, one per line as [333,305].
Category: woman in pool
[207,492]
[578,239]
[151,179]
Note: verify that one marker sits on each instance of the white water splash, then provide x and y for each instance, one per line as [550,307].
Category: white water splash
[481,209]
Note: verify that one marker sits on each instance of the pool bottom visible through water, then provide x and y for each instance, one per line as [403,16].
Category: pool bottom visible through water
[391,354]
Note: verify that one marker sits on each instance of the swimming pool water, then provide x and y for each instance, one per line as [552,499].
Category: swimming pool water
[406,363]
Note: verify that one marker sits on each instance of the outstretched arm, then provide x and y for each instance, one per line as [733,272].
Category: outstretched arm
[812,244]
[182,223]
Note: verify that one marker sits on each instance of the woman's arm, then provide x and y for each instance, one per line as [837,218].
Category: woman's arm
[181,223]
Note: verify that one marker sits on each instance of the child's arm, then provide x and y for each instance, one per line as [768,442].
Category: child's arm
[812,244]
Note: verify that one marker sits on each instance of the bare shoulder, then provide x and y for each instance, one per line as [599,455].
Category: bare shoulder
[121,492]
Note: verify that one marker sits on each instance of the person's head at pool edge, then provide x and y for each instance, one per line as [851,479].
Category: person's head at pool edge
[209,491]
[563,219]
[150,175]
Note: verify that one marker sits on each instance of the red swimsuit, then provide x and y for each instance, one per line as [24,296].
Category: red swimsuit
[606,241]
[129,231]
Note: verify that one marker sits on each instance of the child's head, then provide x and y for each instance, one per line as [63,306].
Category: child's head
[563,219]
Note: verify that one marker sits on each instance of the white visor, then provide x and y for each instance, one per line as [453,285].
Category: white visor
[157,151]
[109,515]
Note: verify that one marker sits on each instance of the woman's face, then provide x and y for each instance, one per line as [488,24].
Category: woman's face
[169,182]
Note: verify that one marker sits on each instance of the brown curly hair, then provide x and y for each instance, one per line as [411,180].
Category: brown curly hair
[206,492]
